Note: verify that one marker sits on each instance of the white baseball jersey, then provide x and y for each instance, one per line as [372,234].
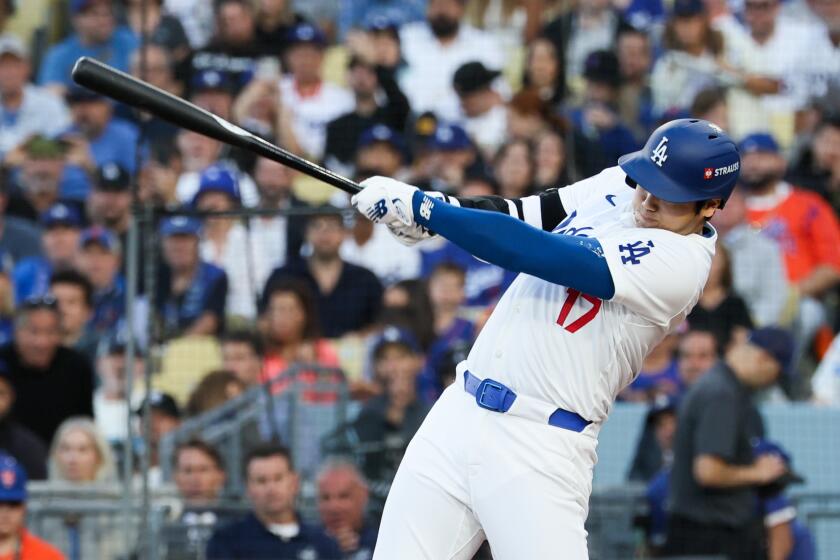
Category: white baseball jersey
[574,350]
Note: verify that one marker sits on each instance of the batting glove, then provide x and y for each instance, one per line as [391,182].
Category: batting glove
[387,201]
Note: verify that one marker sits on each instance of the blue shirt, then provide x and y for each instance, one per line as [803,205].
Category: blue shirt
[207,293]
[428,382]
[109,306]
[358,13]
[614,142]
[367,542]
[249,538]
[803,541]
[31,278]
[59,60]
[666,381]
[116,144]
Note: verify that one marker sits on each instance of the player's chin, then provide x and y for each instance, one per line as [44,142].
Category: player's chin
[643,222]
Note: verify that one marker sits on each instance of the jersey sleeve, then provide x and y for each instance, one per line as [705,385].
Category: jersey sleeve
[543,210]
[657,274]
[605,182]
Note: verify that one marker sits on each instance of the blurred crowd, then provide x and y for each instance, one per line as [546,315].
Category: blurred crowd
[257,268]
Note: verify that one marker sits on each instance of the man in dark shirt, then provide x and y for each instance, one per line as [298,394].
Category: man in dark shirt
[715,474]
[349,297]
[52,383]
[15,439]
[342,501]
[273,529]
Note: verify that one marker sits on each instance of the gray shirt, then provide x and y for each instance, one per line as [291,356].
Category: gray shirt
[717,417]
[758,273]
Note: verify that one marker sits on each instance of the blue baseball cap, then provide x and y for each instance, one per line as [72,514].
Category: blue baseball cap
[12,480]
[450,137]
[662,403]
[379,21]
[381,133]
[686,8]
[77,6]
[394,335]
[98,235]
[217,178]
[211,80]
[758,142]
[761,446]
[777,342]
[61,214]
[306,33]
[180,225]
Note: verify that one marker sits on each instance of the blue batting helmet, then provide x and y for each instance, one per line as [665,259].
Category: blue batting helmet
[684,161]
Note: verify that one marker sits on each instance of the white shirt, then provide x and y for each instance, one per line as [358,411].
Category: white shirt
[270,236]
[197,18]
[40,112]
[383,255]
[783,56]
[427,79]
[187,186]
[488,131]
[312,113]
[823,64]
[239,259]
[578,352]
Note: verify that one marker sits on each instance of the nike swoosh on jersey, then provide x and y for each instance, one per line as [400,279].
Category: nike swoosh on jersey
[610,198]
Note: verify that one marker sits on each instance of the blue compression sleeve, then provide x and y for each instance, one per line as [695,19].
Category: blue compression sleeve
[576,262]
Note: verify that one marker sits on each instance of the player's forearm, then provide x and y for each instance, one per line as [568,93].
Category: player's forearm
[713,472]
[576,262]
[542,211]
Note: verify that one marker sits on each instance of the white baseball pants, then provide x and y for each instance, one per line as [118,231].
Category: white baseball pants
[471,474]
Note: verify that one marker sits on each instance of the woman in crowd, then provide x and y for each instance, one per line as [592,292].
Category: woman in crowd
[544,72]
[514,169]
[214,390]
[550,160]
[80,454]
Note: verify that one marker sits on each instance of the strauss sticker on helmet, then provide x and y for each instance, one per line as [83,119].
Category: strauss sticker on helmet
[727,169]
[708,173]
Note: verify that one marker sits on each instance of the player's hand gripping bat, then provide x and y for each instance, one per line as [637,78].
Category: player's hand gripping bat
[110,82]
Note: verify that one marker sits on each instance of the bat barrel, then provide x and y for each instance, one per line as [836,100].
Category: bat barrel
[127,89]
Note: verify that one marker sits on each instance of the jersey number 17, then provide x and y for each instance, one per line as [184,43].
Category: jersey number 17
[578,323]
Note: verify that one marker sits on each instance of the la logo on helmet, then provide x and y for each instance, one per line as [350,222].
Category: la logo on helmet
[660,154]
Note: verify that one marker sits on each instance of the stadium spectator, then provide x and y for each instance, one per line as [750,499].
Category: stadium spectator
[62,226]
[273,528]
[450,158]
[199,474]
[514,169]
[710,104]
[348,297]
[18,238]
[366,76]
[15,539]
[758,271]
[598,118]
[802,223]
[79,453]
[197,18]
[52,383]
[342,504]
[74,294]
[773,53]
[111,409]
[635,97]
[381,150]
[164,417]
[225,241]
[655,448]
[482,108]
[589,27]
[274,20]
[690,62]
[659,374]
[719,309]
[215,389]
[446,293]
[100,257]
[242,355]
[309,103]
[233,50]
[40,163]
[824,58]
[387,422]
[25,109]
[213,91]
[696,354]
[160,28]
[292,331]
[544,73]
[95,138]
[715,475]
[96,34]
[279,236]
[192,292]
[818,167]
[198,152]
[434,49]
[551,163]
[15,439]
[7,301]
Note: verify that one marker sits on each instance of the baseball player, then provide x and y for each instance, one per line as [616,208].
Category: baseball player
[608,266]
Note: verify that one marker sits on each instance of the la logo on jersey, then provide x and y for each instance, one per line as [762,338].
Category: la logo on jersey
[660,154]
[635,250]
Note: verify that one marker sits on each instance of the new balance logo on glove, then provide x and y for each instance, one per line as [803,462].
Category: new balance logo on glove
[378,210]
[426,208]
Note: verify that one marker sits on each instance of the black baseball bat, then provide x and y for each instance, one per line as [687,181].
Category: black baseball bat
[118,85]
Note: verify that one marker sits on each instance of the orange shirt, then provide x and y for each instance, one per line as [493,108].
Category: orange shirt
[33,548]
[274,365]
[807,230]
